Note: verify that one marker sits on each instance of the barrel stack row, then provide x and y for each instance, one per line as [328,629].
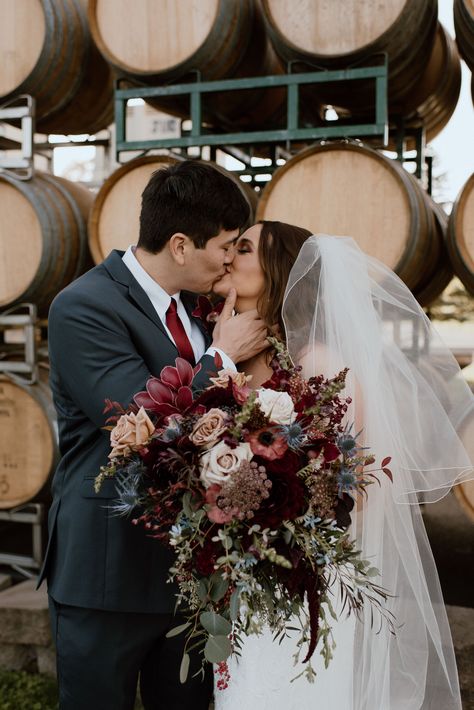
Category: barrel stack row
[67,53]
[464,26]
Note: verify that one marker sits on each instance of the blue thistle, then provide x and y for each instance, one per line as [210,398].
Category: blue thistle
[293,434]
[346,481]
[347,442]
[127,488]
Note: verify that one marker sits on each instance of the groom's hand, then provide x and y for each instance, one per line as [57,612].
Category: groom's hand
[241,336]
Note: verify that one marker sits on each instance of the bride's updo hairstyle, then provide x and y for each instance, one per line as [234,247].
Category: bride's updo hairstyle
[279,245]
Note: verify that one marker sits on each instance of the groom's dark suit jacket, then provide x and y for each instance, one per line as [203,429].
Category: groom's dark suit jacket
[105,340]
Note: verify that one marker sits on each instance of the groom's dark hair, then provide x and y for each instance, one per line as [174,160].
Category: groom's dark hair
[191,197]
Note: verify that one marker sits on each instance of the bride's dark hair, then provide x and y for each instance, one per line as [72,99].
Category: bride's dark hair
[278,248]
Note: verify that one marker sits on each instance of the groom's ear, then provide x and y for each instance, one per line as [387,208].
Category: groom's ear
[178,245]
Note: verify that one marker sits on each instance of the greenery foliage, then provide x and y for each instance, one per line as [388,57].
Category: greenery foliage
[26,691]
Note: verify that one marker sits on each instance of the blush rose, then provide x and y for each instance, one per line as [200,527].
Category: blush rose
[209,428]
[218,463]
[131,432]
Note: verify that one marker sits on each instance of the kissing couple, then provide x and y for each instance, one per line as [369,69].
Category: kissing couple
[129,317]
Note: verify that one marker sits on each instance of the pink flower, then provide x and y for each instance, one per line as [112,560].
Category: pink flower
[267,444]
[209,427]
[131,432]
[215,514]
[239,380]
[171,392]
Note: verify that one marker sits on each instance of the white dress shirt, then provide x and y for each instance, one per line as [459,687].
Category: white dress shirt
[161,301]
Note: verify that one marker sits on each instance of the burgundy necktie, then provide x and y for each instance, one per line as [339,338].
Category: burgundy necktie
[176,328]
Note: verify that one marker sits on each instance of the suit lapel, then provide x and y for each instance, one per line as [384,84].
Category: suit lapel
[119,272]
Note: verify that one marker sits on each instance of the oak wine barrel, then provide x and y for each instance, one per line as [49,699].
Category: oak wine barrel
[46,50]
[434,283]
[436,93]
[161,42]
[345,33]
[28,441]
[350,189]
[114,218]
[461,235]
[43,238]
[464,26]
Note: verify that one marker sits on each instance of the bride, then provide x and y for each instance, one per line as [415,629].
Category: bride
[337,307]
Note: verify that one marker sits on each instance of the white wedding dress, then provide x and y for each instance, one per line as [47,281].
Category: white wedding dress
[343,308]
[261,678]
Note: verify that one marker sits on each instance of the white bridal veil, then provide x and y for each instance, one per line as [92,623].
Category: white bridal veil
[343,308]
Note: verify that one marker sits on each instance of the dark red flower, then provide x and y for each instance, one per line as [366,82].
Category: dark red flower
[171,392]
[287,494]
[205,558]
[208,312]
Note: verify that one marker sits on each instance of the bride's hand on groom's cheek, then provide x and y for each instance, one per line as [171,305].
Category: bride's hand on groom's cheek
[241,336]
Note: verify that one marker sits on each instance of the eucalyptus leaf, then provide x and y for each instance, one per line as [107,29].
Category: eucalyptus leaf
[184,668]
[218,588]
[215,624]
[188,511]
[217,649]
[372,572]
[177,630]
[234,605]
[203,589]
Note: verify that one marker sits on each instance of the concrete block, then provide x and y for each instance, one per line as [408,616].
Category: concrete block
[24,617]
[46,660]
[15,657]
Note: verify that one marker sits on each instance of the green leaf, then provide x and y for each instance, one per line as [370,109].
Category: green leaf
[215,624]
[203,589]
[217,649]
[372,572]
[177,630]
[234,606]
[188,511]
[218,588]
[184,668]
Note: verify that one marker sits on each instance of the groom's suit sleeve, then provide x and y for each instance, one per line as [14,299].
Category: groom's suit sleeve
[94,357]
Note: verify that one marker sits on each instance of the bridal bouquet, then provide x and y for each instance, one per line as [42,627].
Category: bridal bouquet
[252,489]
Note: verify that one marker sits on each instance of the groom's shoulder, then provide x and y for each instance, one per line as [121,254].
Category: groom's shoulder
[96,288]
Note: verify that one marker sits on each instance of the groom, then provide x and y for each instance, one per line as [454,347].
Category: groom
[109,331]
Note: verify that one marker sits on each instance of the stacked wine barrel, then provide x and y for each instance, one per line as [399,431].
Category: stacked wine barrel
[66,53]
[46,50]
[43,247]
[424,75]
[28,442]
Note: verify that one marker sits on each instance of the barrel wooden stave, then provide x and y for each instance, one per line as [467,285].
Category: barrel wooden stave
[28,441]
[43,243]
[70,81]
[464,26]
[461,235]
[348,189]
[404,30]
[231,43]
[437,91]
[433,283]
